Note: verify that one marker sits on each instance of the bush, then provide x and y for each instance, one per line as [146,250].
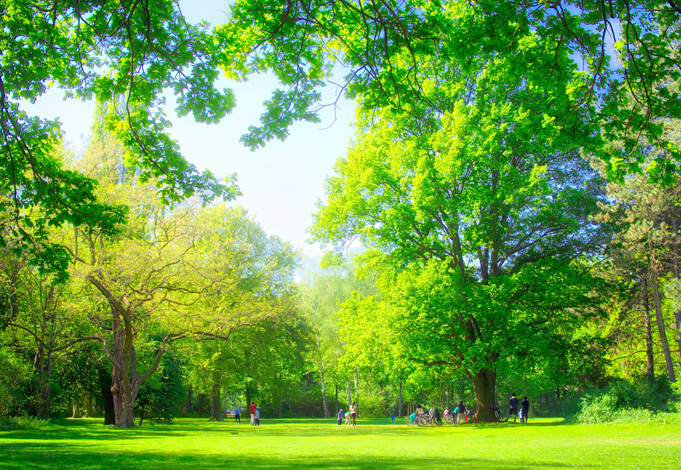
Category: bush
[24,423]
[373,406]
[641,401]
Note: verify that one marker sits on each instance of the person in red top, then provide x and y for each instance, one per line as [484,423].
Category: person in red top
[253,413]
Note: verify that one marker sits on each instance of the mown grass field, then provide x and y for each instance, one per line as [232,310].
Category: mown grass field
[306,444]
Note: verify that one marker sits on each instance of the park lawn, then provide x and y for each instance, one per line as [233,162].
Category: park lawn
[315,443]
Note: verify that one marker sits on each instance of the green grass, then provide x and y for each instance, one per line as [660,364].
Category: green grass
[199,444]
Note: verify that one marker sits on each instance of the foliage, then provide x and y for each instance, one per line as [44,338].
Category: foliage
[629,52]
[25,423]
[14,382]
[159,399]
[624,401]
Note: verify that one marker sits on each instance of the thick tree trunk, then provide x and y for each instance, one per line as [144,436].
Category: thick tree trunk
[43,365]
[484,383]
[202,398]
[357,387]
[650,370]
[658,315]
[321,376]
[109,409]
[88,408]
[215,412]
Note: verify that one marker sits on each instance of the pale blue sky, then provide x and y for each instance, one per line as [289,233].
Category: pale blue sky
[280,183]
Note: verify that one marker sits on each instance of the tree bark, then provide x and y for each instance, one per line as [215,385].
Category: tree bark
[399,398]
[658,314]
[357,387]
[650,370]
[347,383]
[202,398]
[321,376]
[675,252]
[215,412]
[484,384]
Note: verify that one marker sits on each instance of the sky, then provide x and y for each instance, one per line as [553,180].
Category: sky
[280,183]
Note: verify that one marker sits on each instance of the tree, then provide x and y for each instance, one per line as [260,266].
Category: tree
[322,297]
[382,44]
[481,195]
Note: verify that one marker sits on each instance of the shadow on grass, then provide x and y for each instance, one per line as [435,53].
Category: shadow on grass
[65,457]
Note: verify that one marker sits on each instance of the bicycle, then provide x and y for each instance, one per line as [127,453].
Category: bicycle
[449,418]
[496,412]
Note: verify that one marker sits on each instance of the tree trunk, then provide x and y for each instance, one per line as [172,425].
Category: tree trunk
[399,398]
[650,371]
[658,314]
[484,383]
[321,376]
[215,414]
[357,387]
[202,398]
[109,409]
[336,386]
[89,409]
[43,365]
[675,251]
[347,383]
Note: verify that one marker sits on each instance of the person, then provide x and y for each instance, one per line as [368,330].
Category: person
[237,415]
[348,418]
[340,417]
[525,408]
[431,415]
[461,412]
[436,415]
[447,413]
[513,407]
[253,413]
[353,413]
[257,416]
[392,416]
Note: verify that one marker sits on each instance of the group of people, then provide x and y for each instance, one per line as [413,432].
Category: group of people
[255,414]
[350,415]
[458,415]
[523,414]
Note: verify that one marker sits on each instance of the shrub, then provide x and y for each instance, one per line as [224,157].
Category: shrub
[625,402]
[24,423]
[373,406]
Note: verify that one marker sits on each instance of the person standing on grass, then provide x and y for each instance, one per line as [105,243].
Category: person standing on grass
[353,413]
[237,415]
[257,416]
[253,413]
[512,407]
[525,407]
[436,415]
[461,412]
[340,417]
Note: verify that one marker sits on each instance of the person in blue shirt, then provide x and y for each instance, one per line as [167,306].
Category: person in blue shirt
[237,415]
[340,417]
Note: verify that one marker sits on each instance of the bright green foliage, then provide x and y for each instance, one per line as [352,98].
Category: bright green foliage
[628,52]
[103,50]
[476,212]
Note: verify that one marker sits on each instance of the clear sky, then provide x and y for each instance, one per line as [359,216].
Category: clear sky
[281,182]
